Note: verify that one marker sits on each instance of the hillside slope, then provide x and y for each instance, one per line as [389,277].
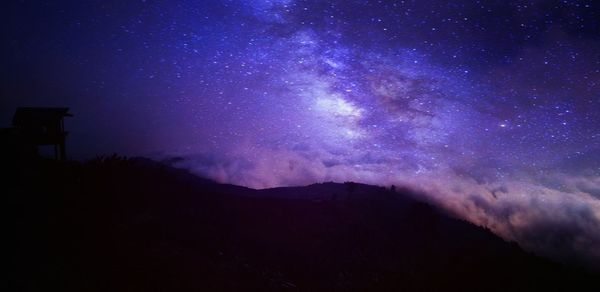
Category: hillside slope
[135,225]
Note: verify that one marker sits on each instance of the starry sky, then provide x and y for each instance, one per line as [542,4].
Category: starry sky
[490,108]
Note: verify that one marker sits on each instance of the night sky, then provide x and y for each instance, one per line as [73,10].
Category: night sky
[491,108]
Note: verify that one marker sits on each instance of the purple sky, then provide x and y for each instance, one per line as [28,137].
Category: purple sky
[490,107]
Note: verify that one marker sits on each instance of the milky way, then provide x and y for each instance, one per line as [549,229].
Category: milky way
[490,108]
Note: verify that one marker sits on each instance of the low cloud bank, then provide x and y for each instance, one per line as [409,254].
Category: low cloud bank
[555,215]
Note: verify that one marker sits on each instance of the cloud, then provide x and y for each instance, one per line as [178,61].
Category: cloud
[562,223]
[561,220]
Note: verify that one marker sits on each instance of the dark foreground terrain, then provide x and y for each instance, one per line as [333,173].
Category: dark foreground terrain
[114,224]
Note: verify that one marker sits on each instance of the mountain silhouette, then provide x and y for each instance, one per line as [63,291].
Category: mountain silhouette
[120,224]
